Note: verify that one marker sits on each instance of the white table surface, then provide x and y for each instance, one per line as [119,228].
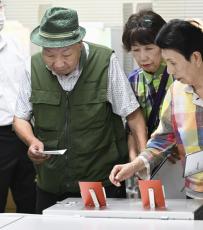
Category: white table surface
[42,222]
[7,218]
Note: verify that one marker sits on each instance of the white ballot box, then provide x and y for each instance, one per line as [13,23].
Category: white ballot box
[180,209]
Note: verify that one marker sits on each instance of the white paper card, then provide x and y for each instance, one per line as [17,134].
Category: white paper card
[193,163]
[151,198]
[55,152]
[94,197]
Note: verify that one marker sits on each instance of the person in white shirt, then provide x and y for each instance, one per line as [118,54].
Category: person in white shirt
[16,169]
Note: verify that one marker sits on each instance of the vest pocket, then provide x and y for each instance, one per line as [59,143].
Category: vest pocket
[49,139]
[46,108]
[51,144]
[50,174]
[91,108]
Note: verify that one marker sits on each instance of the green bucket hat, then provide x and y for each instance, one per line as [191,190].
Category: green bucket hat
[58,28]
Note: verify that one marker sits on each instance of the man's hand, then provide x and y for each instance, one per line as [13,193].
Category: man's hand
[125,171]
[35,152]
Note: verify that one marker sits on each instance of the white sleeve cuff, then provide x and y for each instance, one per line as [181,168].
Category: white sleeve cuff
[145,173]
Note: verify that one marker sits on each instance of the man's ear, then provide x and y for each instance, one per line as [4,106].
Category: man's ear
[196,58]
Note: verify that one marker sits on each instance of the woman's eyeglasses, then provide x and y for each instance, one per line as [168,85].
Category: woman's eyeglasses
[145,23]
[196,23]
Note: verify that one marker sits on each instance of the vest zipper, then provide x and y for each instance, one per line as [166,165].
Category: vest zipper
[67,124]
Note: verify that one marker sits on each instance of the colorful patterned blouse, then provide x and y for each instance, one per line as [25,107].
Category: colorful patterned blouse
[181,123]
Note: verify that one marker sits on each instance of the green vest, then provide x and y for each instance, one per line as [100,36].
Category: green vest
[81,121]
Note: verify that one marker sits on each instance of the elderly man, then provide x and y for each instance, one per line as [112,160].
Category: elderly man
[16,169]
[77,94]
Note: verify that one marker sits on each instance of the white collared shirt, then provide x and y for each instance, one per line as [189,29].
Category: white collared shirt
[119,92]
[12,71]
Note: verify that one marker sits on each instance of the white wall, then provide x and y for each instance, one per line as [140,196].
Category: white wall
[109,12]
[106,11]
[182,9]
